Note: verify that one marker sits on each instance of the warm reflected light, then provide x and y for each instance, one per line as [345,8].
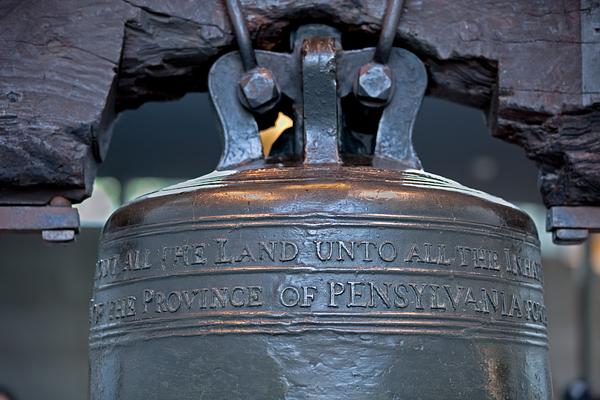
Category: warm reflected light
[269,136]
[339,186]
[378,194]
[595,252]
[247,195]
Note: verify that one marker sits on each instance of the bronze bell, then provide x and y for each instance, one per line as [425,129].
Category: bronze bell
[333,269]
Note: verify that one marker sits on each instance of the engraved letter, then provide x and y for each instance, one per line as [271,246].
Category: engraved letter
[199,254]
[391,252]
[292,294]
[402,301]
[418,295]
[489,299]
[515,306]
[97,312]
[335,292]
[320,254]
[413,254]
[222,258]
[427,258]
[442,260]
[246,255]
[454,300]
[435,299]
[494,264]
[254,296]
[349,251]
[355,295]
[219,296]
[173,301]
[268,250]
[463,256]
[187,300]
[148,296]
[384,295]
[289,251]
[239,300]
[130,306]
[307,297]
[159,298]
[367,256]
[203,298]
[470,299]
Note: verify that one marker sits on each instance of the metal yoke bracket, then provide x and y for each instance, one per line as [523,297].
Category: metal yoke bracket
[315,76]
[572,225]
[58,221]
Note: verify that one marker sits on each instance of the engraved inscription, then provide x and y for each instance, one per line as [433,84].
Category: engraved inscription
[201,299]
[303,296]
[523,266]
[323,276]
[510,262]
[415,296]
[280,251]
[333,295]
[114,309]
[183,255]
[130,260]
[364,251]
[428,254]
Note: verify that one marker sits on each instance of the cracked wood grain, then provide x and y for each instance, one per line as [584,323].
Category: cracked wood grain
[68,67]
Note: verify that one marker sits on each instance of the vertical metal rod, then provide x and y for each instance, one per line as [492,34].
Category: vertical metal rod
[242,36]
[586,278]
[388,31]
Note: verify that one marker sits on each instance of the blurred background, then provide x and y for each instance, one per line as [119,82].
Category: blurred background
[45,288]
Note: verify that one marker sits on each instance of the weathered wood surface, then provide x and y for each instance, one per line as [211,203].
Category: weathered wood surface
[67,66]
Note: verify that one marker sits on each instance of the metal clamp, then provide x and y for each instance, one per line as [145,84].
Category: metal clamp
[297,82]
[572,225]
[58,221]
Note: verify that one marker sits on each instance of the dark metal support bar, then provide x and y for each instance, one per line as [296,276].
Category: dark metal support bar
[572,225]
[14,219]
[58,223]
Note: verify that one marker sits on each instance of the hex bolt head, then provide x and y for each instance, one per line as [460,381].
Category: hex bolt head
[375,84]
[258,89]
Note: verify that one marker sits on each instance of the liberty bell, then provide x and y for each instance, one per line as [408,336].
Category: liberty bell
[332,268]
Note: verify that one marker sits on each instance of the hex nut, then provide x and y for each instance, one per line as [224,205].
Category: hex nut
[259,90]
[375,84]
